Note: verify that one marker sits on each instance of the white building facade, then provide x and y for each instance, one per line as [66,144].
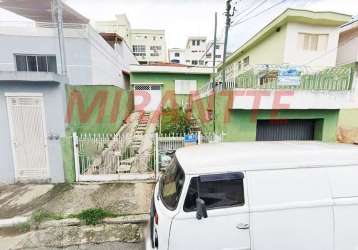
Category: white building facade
[33,87]
[90,60]
[198,52]
[148,45]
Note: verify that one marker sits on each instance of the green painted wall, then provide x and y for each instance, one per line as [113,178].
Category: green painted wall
[168,80]
[110,106]
[348,118]
[240,125]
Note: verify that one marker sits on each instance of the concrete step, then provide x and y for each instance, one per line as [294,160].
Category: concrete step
[124,169]
[128,161]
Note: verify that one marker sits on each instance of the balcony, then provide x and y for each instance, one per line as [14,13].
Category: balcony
[300,88]
[302,78]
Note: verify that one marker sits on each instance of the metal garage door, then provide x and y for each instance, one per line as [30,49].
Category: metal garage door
[285,130]
[147,97]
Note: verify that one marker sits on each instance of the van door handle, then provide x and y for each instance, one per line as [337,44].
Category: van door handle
[242,226]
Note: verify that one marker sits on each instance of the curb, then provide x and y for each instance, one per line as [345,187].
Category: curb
[4,223]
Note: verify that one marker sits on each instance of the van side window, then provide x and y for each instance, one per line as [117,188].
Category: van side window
[218,191]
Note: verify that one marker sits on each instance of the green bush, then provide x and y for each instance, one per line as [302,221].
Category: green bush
[174,121]
[43,215]
[93,216]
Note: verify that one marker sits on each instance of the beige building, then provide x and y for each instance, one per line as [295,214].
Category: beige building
[148,45]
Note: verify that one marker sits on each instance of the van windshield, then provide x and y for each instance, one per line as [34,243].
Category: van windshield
[171,185]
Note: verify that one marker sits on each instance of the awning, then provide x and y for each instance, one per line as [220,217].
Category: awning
[41,11]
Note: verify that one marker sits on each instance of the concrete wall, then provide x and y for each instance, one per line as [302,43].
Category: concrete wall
[295,56]
[54,102]
[348,47]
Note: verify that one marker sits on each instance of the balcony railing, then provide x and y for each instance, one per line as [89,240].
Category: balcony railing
[268,77]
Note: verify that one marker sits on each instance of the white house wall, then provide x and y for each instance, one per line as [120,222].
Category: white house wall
[300,99]
[90,59]
[295,56]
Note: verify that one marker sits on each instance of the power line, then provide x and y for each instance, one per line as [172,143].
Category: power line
[254,8]
[261,12]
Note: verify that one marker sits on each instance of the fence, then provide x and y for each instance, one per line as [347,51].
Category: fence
[108,157]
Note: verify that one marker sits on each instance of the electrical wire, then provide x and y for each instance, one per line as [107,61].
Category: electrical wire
[254,8]
[240,21]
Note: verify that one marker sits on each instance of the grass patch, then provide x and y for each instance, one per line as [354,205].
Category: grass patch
[43,215]
[94,216]
[24,227]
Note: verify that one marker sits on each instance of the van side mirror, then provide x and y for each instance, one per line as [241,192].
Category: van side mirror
[201,209]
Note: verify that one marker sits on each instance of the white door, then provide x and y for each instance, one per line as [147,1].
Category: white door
[147,97]
[227,226]
[28,135]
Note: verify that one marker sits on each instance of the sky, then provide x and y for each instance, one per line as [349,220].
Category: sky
[183,18]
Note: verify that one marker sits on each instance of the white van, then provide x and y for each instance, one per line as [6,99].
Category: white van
[258,196]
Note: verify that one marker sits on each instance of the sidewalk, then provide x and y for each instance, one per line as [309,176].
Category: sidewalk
[19,202]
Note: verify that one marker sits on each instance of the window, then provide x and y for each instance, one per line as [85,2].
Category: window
[208,55]
[154,54]
[246,61]
[154,38]
[218,191]
[171,185]
[139,50]
[217,47]
[312,42]
[193,42]
[185,87]
[175,61]
[194,62]
[155,47]
[177,54]
[218,56]
[40,63]
[239,66]
[201,62]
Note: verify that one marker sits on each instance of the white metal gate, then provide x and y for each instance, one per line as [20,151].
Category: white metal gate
[147,97]
[28,135]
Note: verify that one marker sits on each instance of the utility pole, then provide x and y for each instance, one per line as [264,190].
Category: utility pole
[214,76]
[228,15]
[57,16]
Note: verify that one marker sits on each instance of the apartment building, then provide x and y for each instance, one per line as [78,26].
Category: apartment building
[148,45]
[197,52]
[283,83]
